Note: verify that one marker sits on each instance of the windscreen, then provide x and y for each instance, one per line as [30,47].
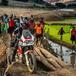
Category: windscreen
[26,34]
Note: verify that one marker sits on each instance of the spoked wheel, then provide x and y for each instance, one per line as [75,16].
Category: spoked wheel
[31,62]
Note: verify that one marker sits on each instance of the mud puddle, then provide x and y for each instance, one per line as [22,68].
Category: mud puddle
[62,52]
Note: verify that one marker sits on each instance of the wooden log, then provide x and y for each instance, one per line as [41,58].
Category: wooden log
[42,59]
[54,63]
[51,61]
[49,55]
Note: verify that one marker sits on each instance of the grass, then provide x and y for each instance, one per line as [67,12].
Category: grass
[54,29]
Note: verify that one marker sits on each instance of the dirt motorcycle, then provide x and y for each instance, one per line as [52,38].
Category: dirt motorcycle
[25,50]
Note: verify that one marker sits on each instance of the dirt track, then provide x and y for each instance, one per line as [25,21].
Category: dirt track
[21,70]
[21,11]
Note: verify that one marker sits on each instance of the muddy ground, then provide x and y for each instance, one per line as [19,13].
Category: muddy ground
[18,69]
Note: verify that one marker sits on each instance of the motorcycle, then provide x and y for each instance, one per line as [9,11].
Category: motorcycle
[25,50]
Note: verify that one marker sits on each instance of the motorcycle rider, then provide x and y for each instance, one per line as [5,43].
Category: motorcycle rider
[17,34]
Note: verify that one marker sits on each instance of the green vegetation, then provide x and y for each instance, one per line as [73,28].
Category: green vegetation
[54,29]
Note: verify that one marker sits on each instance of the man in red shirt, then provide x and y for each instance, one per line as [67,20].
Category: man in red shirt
[11,26]
[73,35]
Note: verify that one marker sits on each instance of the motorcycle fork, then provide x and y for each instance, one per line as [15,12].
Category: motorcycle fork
[26,57]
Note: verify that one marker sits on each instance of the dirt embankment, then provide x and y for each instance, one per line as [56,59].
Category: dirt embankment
[21,11]
[52,15]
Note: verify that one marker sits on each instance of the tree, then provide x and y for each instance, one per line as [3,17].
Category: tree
[4,2]
[60,5]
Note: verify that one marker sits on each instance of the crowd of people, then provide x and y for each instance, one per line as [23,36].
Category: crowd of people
[13,25]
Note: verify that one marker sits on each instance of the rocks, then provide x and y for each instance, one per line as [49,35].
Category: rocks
[52,15]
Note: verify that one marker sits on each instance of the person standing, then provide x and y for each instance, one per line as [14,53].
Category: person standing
[61,32]
[11,26]
[73,35]
[5,19]
[38,33]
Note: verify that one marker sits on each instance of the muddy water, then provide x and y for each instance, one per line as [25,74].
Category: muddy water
[62,52]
